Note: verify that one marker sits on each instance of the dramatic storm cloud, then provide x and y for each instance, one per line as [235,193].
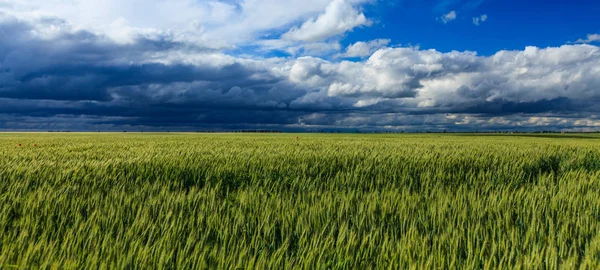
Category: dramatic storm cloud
[219,65]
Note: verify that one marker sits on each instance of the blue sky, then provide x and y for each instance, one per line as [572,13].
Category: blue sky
[511,24]
[458,65]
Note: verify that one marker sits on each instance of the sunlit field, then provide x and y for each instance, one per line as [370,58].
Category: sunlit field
[125,200]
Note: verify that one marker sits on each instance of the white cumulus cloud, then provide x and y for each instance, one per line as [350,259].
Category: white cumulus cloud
[590,38]
[480,19]
[448,17]
[363,49]
[339,17]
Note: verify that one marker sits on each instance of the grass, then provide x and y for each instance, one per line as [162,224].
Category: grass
[79,201]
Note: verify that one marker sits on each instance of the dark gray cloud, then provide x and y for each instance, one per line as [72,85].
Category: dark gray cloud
[56,77]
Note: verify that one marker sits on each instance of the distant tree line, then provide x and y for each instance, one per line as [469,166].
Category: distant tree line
[241,131]
[359,131]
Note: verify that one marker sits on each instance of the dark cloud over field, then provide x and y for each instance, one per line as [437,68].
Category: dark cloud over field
[56,76]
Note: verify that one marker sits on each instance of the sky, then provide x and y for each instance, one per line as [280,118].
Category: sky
[300,65]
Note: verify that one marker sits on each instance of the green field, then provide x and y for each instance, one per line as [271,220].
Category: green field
[184,201]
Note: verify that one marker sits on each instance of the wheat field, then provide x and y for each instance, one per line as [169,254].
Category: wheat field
[299,201]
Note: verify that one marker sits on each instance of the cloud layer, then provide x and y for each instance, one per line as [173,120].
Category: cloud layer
[57,73]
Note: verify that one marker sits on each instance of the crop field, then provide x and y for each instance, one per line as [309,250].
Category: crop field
[271,201]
